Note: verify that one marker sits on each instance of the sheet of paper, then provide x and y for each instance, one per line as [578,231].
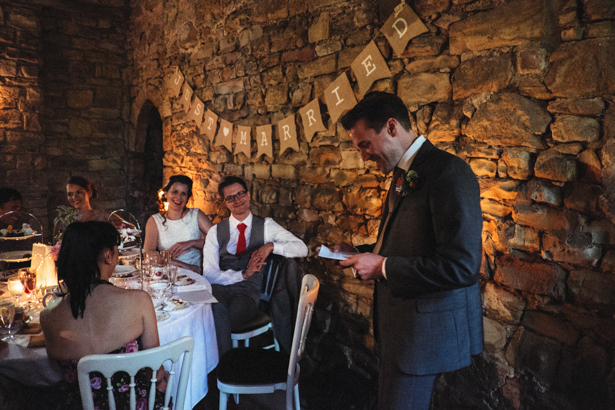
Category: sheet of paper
[198,296]
[327,253]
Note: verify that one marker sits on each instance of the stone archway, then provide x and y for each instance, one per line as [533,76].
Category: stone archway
[145,175]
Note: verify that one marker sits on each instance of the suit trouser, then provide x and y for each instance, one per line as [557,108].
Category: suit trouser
[236,305]
[398,390]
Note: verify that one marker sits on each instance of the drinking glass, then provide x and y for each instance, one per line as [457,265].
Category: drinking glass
[172,272]
[27,276]
[7,315]
[15,287]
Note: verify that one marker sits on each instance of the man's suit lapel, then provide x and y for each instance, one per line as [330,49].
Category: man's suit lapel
[422,153]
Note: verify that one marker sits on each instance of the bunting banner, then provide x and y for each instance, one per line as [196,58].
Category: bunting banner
[369,66]
[225,135]
[287,133]
[264,141]
[311,119]
[186,97]
[209,125]
[176,82]
[243,140]
[196,111]
[401,27]
[339,97]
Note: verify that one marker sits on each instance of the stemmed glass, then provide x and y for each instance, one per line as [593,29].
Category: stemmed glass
[7,315]
[27,276]
[15,287]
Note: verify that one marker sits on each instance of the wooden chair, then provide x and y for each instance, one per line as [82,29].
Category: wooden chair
[260,371]
[131,363]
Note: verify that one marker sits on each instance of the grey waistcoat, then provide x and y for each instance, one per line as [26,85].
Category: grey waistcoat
[234,262]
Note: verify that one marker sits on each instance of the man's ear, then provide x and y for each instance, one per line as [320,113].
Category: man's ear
[392,127]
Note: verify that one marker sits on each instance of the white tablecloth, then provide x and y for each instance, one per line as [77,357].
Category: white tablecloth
[197,321]
[32,366]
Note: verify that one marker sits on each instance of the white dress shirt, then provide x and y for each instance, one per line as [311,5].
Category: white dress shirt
[404,163]
[284,244]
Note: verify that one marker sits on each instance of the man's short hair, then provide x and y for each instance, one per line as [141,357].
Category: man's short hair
[228,181]
[8,195]
[375,109]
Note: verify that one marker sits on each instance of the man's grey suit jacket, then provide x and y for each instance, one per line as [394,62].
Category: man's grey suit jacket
[427,313]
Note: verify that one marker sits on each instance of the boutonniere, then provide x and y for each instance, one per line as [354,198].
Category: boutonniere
[407,183]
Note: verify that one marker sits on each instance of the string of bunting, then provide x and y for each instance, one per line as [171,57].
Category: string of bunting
[369,66]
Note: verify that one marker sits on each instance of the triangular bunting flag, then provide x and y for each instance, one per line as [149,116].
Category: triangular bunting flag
[369,66]
[196,111]
[263,141]
[243,140]
[401,27]
[311,119]
[210,122]
[287,133]
[339,97]
[176,82]
[225,135]
[186,97]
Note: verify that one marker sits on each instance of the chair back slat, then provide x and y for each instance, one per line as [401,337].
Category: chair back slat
[152,390]
[131,363]
[167,395]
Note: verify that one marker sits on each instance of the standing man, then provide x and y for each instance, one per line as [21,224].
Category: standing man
[427,304]
[234,253]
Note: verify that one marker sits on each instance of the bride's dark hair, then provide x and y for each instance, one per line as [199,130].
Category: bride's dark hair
[80,252]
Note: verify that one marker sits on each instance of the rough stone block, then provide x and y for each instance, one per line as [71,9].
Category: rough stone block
[541,217]
[598,10]
[8,68]
[587,107]
[496,335]
[556,167]
[518,163]
[482,74]
[502,305]
[23,21]
[304,54]
[545,192]
[516,23]
[550,326]
[425,45]
[583,69]
[342,178]
[10,119]
[525,239]
[508,119]
[362,201]
[328,47]
[592,288]
[79,128]
[326,155]
[319,30]
[568,128]
[531,60]
[432,63]
[327,198]
[308,215]
[348,55]
[276,96]
[9,96]
[316,175]
[445,125]
[351,160]
[424,88]
[536,277]
[576,250]
[600,29]
[321,66]
[229,87]
[80,98]
[283,171]
[483,167]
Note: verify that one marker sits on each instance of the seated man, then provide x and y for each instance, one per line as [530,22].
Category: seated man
[234,253]
[10,200]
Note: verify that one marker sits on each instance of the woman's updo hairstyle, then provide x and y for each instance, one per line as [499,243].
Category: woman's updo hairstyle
[182,179]
[85,184]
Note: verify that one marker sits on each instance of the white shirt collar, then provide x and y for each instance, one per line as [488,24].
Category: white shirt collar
[234,221]
[406,159]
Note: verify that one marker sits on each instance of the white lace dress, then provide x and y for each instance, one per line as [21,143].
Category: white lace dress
[185,229]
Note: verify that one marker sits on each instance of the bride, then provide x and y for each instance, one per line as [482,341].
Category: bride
[180,230]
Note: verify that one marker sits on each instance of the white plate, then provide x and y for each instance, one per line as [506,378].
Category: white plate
[185,281]
[16,256]
[129,253]
[124,271]
[162,316]
[170,306]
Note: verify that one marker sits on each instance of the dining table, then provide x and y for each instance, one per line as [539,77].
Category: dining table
[31,366]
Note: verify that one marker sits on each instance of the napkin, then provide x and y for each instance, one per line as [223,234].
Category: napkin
[191,287]
[30,329]
[37,341]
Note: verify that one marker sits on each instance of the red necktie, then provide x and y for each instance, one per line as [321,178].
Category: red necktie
[241,242]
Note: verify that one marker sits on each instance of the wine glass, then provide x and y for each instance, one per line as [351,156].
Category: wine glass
[15,287]
[27,276]
[7,315]
[172,272]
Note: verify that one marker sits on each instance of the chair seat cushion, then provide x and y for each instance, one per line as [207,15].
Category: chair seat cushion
[248,366]
[261,319]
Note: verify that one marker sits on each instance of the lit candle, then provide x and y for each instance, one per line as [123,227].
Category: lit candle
[15,287]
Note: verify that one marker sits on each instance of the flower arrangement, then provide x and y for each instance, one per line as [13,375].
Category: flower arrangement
[407,183]
[66,216]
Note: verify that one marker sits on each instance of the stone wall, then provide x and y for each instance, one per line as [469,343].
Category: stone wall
[64,102]
[522,90]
